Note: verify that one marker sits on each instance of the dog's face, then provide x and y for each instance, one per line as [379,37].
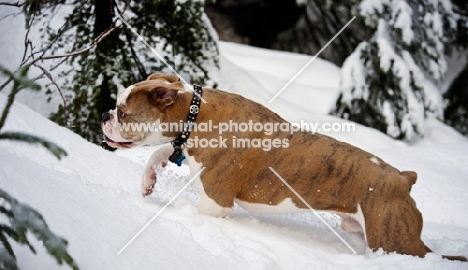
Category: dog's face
[138,107]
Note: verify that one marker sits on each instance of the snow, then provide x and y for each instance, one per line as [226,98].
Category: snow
[369,7]
[92,197]
[392,128]
[353,76]
[272,70]
[403,20]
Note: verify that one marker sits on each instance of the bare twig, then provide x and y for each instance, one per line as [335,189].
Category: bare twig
[31,60]
[27,42]
[17,4]
[85,49]
[5,84]
[28,45]
[80,51]
[43,51]
[49,76]
[40,76]
[11,15]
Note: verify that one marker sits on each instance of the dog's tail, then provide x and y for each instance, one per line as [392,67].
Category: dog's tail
[411,177]
[451,257]
[455,258]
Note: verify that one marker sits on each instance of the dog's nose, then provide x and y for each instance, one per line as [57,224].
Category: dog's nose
[106,117]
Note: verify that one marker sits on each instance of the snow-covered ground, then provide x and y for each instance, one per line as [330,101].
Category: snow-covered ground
[92,197]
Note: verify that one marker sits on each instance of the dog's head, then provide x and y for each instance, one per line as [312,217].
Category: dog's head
[139,109]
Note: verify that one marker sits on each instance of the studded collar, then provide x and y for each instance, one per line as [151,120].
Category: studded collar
[177,156]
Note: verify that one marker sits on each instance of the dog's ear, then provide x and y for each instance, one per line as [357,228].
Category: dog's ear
[171,78]
[162,97]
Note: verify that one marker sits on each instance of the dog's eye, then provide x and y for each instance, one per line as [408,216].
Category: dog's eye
[121,114]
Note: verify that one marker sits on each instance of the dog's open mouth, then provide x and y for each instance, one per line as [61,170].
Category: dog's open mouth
[114,144]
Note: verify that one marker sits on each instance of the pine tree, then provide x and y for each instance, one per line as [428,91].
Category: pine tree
[318,23]
[456,97]
[384,83]
[456,111]
[23,220]
[178,30]
[19,221]
[302,26]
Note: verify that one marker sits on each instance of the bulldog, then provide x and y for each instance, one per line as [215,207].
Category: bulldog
[239,163]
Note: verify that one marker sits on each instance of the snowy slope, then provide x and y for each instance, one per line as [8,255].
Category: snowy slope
[92,197]
[273,69]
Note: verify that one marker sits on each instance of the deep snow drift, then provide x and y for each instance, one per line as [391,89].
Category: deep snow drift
[92,197]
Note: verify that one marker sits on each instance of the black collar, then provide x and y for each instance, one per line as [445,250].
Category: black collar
[177,156]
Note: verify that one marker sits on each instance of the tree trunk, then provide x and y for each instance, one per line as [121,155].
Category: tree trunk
[103,10]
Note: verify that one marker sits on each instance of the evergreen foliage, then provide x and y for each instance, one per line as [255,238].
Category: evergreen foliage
[456,111]
[302,26]
[20,81]
[319,22]
[387,83]
[456,97]
[178,30]
[18,219]
[22,220]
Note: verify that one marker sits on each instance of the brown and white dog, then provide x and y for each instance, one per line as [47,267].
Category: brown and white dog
[369,194]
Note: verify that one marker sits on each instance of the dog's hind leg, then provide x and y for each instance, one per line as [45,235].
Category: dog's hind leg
[395,226]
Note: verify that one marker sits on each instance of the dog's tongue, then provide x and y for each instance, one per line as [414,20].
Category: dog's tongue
[113,144]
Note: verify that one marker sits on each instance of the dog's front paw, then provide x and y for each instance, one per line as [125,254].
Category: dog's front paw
[149,179]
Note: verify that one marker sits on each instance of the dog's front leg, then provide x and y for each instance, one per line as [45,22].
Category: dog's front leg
[159,158]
